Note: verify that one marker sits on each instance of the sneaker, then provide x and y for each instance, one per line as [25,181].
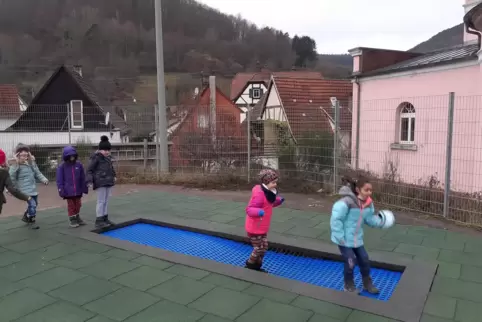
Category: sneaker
[369,287]
[100,223]
[74,223]
[350,286]
[107,221]
[80,221]
[25,218]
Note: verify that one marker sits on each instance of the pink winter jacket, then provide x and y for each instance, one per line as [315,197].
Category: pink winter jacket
[255,224]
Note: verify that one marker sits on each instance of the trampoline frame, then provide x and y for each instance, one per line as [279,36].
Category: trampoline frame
[406,303]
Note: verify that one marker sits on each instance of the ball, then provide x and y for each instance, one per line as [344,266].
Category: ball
[388,218]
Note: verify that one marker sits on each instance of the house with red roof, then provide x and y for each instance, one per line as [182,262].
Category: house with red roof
[306,108]
[206,138]
[247,89]
[11,105]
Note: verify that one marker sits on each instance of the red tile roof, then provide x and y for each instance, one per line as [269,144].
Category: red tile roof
[308,106]
[241,79]
[9,102]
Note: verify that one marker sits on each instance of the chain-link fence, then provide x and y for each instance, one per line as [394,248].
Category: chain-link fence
[417,151]
[47,129]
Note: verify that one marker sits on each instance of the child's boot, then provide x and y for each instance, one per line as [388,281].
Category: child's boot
[107,221]
[32,224]
[250,265]
[259,268]
[73,222]
[80,221]
[369,287]
[100,223]
[254,266]
[349,285]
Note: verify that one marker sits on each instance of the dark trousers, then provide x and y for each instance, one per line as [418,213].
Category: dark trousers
[73,206]
[353,256]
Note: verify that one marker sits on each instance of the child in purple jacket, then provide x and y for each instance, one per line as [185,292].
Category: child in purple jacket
[72,185]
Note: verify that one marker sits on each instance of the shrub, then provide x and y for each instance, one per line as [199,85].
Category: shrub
[309,160]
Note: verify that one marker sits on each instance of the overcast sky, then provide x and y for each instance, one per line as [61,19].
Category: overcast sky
[339,25]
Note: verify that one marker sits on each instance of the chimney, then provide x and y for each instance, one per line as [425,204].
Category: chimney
[78,69]
[469,5]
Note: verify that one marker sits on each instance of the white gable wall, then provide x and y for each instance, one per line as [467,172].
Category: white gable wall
[274,109]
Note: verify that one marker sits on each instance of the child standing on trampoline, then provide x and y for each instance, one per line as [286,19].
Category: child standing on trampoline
[348,215]
[259,211]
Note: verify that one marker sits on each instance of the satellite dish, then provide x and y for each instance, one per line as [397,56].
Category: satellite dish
[107,118]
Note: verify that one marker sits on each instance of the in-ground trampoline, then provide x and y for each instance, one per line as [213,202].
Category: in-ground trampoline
[301,266]
[279,262]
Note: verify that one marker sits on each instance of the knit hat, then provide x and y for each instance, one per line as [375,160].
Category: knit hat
[3,157]
[267,175]
[104,143]
[22,148]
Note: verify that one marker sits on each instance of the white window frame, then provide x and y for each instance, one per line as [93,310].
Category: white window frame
[407,112]
[202,121]
[72,125]
[258,91]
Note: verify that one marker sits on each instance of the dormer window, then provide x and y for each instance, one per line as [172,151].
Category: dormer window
[256,93]
[76,114]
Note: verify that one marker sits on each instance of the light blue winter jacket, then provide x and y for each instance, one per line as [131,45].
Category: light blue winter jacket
[25,176]
[348,216]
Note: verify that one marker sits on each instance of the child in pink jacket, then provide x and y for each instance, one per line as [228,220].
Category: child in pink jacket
[259,211]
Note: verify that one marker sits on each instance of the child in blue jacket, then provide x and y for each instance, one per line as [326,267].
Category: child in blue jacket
[72,185]
[354,209]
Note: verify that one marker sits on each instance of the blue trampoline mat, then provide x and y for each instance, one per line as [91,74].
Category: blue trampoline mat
[315,271]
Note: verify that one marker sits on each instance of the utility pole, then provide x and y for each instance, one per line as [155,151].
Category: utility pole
[161,90]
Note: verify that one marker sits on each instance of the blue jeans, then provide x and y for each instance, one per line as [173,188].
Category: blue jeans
[352,256]
[32,206]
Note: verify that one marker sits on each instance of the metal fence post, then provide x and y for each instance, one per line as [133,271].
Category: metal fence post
[336,147]
[448,155]
[158,150]
[69,123]
[248,121]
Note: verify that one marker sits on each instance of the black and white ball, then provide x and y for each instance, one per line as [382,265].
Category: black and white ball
[388,218]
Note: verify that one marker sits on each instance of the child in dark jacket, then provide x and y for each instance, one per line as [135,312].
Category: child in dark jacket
[102,176]
[6,182]
[72,184]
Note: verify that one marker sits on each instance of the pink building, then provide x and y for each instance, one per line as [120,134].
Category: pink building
[401,102]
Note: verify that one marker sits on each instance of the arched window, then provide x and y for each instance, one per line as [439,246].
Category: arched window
[407,123]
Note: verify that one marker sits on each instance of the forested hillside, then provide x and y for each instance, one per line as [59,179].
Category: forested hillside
[447,38]
[114,41]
